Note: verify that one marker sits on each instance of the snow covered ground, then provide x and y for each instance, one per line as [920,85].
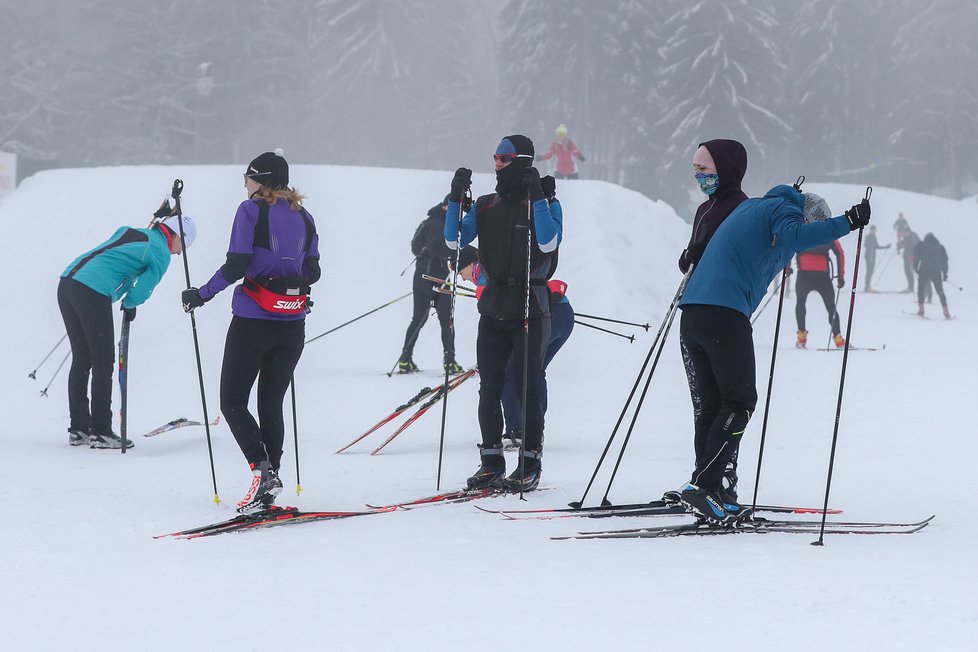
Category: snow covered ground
[81,570]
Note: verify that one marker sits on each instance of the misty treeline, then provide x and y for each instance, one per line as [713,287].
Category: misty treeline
[864,91]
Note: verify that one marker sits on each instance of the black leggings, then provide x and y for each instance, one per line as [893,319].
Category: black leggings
[718,352]
[819,282]
[269,351]
[88,320]
[423,298]
[498,340]
[925,278]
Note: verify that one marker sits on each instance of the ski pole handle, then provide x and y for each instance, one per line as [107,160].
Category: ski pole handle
[177,188]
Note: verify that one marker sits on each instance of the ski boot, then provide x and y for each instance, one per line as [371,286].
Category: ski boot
[706,505]
[265,486]
[529,478]
[406,366]
[451,366]
[802,341]
[512,440]
[920,310]
[839,340]
[947,313]
[108,440]
[77,437]
[492,471]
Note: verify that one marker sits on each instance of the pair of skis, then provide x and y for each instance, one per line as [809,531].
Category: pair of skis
[653,508]
[427,397]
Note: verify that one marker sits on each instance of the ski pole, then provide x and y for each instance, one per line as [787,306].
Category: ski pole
[842,380]
[526,339]
[770,385]
[44,392]
[956,287]
[412,337]
[332,330]
[123,380]
[178,211]
[409,265]
[638,379]
[630,338]
[33,375]
[295,438]
[615,321]
[466,194]
[638,406]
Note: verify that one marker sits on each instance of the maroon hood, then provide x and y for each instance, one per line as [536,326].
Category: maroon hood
[730,159]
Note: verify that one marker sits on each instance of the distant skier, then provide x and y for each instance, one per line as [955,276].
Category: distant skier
[753,244]
[127,266]
[718,167]
[275,248]
[566,151]
[814,275]
[428,245]
[870,246]
[930,263]
[906,245]
[502,222]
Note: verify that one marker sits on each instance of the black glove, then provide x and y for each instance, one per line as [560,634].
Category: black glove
[461,182]
[549,185]
[580,157]
[164,210]
[840,282]
[691,256]
[532,183]
[128,314]
[858,215]
[191,299]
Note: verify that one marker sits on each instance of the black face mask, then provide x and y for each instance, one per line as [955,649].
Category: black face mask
[509,180]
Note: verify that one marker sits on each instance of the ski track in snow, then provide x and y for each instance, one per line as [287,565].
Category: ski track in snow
[81,570]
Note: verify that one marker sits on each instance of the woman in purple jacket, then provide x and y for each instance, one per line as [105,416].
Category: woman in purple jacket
[275,249]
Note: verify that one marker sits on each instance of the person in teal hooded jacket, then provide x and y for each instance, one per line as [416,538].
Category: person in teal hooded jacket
[127,266]
[752,245]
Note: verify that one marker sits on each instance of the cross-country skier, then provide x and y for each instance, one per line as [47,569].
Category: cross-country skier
[930,263]
[719,167]
[814,275]
[566,151]
[906,245]
[275,248]
[428,245]
[504,227]
[753,244]
[870,245]
[127,266]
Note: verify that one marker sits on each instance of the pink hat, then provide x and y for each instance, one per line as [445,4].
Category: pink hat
[703,157]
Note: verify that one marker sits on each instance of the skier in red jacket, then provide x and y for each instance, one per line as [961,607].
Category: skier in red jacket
[566,151]
[814,274]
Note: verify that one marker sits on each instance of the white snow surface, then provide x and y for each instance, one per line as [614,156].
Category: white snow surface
[82,571]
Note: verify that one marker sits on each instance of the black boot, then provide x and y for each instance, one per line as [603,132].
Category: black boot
[490,475]
[527,478]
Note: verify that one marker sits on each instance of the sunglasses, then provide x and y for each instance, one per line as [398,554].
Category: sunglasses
[508,158]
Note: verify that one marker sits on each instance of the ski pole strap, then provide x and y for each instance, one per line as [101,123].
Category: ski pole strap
[284,295]
[514,282]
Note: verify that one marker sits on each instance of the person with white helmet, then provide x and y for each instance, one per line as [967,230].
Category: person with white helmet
[127,266]
[274,249]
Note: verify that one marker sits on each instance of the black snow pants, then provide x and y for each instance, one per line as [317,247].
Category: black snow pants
[88,321]
[424,296]
[819,282]
[269,351]
[718,352]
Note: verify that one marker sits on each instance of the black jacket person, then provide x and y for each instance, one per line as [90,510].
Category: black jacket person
[503,223]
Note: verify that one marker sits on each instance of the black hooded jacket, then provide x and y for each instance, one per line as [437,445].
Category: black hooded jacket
[730,158]
[930,257]
[428,244]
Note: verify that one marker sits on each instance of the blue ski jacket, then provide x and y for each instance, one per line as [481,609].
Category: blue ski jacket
[752,245]
[131,263]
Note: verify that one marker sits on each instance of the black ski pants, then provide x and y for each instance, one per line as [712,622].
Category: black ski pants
[88,321]
[819,282]
[498,340]
[925,278]
[424,297]
[870,256]
[718,352]
[268,351]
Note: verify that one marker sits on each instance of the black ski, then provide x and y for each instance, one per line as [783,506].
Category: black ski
[268,518]
[451,497]
[653,508]
[759,526]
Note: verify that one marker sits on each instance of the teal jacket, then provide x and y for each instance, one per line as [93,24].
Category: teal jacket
[130,263]
[752,245]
